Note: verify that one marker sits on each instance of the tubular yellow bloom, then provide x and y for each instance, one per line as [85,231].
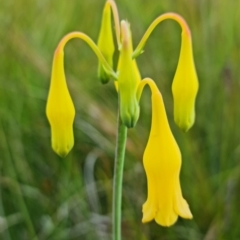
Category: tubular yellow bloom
[106,43]
[185,85]
[128,79]
[60,109]
[162,163]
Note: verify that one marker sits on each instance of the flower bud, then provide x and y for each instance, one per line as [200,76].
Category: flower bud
[60,109]
[128,79]
[106,43]
[185,85]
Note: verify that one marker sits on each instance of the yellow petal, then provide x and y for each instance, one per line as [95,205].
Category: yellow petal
[181,205]
[60,109]
[162,163]
[185,85]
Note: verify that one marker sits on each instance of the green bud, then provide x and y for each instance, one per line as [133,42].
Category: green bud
[106,43]
[128,79]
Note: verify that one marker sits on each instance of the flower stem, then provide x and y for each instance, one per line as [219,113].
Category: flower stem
[174,16]
[118,176]
[91,44]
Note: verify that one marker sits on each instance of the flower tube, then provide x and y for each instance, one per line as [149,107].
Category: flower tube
[60,109]
[185,85]
[162,163]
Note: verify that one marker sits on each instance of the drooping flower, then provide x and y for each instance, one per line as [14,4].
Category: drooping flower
[162,163]
[185,85]
[60,109]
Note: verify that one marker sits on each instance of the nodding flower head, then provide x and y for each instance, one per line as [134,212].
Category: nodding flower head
[162,163]
[106,43]
[128,79]
[60,109]
[185,85]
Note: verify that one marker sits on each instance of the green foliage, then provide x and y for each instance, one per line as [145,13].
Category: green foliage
[45,197]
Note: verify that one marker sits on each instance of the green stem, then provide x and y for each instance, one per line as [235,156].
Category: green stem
[118,176]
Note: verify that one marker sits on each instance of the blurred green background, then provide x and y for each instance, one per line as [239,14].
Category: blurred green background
[45,197]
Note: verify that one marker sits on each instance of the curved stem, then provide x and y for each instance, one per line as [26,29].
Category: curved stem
[116,20]
[93,46]
[173,16]
[118,176]
[143,83]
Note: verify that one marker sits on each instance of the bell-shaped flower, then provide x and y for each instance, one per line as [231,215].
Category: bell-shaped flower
[106,43]
[128,79]
[185,85]
[60,109]
[162,163]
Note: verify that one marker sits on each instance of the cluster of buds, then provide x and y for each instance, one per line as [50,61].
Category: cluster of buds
[162,157]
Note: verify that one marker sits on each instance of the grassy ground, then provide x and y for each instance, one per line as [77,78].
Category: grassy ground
[45,197]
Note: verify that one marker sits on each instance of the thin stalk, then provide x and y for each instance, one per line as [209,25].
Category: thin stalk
[117,181]
[91,44]
[174,16]
[142,84]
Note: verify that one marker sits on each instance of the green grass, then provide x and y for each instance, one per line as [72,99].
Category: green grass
[45,197]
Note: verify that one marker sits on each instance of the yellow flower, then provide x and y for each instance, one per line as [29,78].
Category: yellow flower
[60,109]
[185,85]
[162,163]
